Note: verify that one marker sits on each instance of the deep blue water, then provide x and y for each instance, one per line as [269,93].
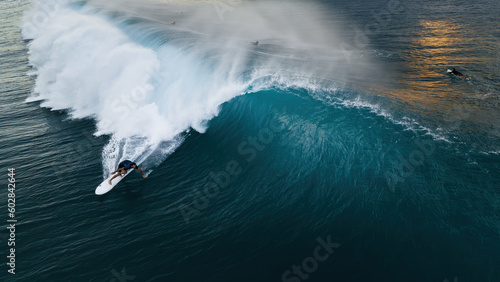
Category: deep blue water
[338,149]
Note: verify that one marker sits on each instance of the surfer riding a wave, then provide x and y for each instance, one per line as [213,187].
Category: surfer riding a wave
[123,167]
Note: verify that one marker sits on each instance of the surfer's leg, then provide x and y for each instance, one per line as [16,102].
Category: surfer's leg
[118,170]
[116,175]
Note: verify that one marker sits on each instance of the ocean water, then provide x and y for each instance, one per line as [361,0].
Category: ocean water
[337,148]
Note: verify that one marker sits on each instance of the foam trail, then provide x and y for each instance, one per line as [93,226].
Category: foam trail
[138,149]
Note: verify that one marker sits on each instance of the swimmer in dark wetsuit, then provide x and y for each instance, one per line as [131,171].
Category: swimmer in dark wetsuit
[457,73]
[123,167]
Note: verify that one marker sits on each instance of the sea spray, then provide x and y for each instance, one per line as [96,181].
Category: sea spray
[147,83]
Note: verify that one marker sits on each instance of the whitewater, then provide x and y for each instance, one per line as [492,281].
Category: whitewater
[148,93]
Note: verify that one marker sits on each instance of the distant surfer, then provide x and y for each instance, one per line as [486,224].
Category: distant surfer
[123,167]
[256,43]
[457,73]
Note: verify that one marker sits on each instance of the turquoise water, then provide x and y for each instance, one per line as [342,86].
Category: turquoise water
[338,144]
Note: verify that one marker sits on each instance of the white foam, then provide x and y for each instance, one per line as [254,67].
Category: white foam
[147,96]
[140,96]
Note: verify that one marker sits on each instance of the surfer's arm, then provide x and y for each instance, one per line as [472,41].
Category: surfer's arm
[140,170]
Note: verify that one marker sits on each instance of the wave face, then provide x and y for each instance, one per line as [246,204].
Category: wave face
[147,81]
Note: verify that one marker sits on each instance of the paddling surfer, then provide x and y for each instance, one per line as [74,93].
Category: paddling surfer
[123,167]
[455,72]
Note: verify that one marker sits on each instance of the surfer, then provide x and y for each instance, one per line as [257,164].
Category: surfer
[457,73]
[256,43]
[123,167]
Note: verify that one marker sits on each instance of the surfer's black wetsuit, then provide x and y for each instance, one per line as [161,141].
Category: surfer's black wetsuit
[455,72]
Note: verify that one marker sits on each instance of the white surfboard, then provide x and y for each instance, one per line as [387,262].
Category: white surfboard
[105,187]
